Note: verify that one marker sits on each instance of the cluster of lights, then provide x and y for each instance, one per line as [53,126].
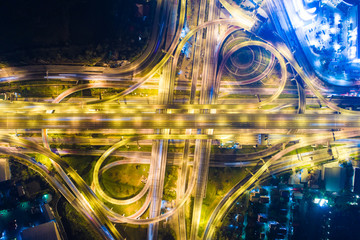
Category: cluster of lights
[321,202]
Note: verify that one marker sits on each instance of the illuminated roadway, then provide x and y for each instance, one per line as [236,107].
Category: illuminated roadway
[225,204]
[179,121]
[200,121]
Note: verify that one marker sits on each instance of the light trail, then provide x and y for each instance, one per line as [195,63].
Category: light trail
[223,207]
[247,117]
[180,121]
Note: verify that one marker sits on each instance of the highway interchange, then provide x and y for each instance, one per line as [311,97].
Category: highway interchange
[199,121]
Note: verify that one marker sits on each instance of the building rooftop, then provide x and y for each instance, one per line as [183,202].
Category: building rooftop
[334,179]
[48,231]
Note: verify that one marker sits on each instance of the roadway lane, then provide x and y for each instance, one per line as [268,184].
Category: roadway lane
[229,199]
[179,121]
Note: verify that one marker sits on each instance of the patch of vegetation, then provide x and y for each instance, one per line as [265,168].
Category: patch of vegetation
[135,232]
[220,181]
[188,217]
[305,150]
[166,234]
[75,225]
[145,92]
[171,176]
[124,181]
[41,91]
[43,160]
[20,172]
[34,184]
[287,95]
[233,224]
[84,165]
[129,209]
[270,106]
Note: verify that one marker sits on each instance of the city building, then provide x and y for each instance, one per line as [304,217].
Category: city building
[48,231]
[334,179]
[356,180]
[47,211]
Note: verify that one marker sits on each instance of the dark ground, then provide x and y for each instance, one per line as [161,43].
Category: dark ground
[73,31]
